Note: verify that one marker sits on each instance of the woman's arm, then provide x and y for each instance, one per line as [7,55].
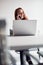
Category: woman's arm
[25,17]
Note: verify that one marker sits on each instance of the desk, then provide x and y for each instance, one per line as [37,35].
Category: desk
[24,42]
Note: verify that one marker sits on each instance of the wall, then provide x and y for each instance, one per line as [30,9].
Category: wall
[32,8]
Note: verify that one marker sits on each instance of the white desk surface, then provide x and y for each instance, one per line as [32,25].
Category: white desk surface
[24,42]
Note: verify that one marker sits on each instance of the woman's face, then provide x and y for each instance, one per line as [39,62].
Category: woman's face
[20,14]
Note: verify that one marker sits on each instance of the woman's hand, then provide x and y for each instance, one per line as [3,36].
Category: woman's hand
[19,17]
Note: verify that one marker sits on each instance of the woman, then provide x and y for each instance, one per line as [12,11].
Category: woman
[20,15]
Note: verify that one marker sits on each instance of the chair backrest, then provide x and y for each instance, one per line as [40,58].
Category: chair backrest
[11,32]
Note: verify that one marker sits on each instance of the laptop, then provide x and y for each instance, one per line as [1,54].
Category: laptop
[24,27]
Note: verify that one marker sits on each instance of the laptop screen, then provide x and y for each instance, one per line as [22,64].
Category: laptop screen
[24,27]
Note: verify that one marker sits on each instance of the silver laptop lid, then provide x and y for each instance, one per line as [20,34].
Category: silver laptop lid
[24,27]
